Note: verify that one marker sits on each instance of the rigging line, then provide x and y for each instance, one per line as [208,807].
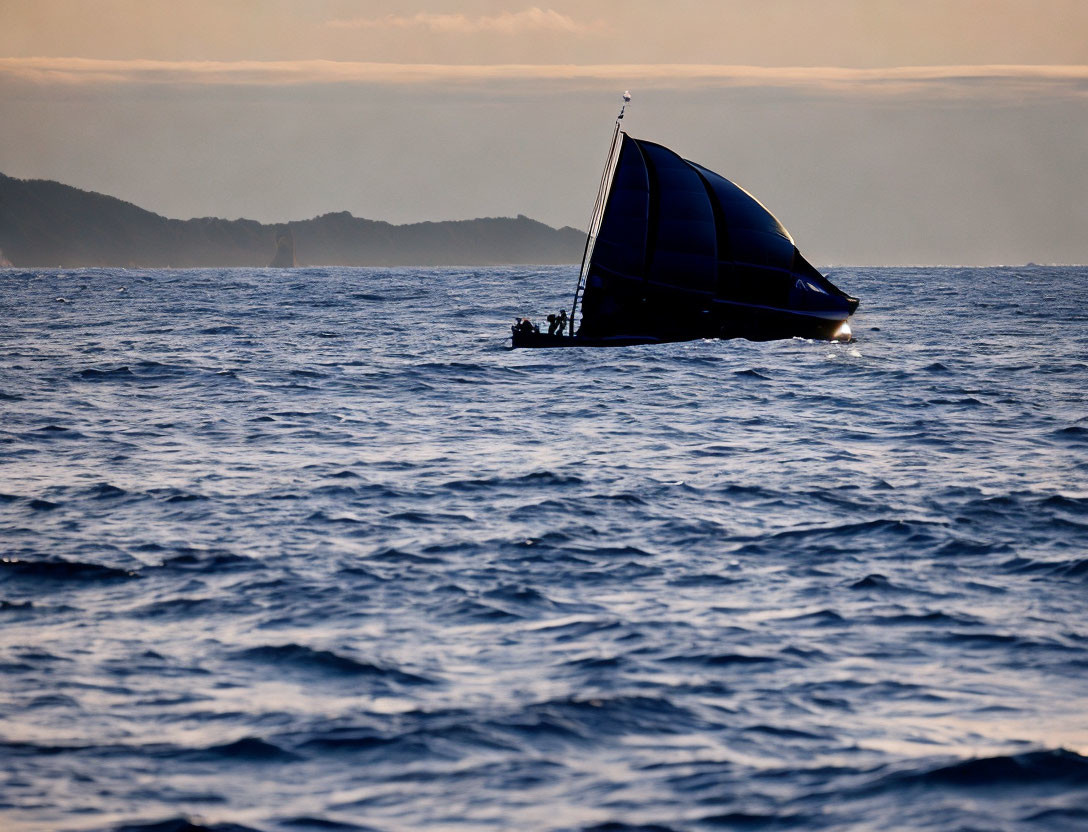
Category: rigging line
[598,208]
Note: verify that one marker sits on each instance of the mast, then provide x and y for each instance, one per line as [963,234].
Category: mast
[598,212]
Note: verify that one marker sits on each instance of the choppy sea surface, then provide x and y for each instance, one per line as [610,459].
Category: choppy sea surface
[310,550]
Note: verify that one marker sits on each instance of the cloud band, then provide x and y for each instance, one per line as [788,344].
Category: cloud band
[532,19]
[926,80]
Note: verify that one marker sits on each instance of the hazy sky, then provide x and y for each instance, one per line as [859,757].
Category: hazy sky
[879,131]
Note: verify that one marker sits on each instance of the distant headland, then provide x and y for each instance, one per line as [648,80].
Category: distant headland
[46,223]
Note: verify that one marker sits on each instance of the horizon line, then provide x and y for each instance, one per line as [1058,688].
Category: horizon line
[275,223]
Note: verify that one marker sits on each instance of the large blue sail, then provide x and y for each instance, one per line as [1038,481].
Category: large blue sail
[620,247]
[684,253]
[683,238]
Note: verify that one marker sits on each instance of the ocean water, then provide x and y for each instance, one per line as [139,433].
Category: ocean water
[310,550]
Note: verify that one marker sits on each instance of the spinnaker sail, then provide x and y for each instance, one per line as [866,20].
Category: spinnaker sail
[677,252]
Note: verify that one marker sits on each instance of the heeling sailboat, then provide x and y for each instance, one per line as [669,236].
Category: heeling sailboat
[676,252]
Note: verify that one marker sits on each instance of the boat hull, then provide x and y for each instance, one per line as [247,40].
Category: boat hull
[540,339]
[733,321]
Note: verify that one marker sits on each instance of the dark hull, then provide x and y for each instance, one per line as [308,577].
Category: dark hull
[540,339]
[752,323]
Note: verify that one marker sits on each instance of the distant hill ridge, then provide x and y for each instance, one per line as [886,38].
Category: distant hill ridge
[46,223]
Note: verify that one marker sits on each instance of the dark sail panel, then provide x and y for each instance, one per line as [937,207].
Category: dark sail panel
[742,209]
[683,239]
[613,299]
[621,242]
[756,237]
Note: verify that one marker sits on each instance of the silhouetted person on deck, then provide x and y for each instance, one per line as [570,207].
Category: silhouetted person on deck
[524,327]
[557,324]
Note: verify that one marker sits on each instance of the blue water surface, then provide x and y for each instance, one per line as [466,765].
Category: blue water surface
[310,550]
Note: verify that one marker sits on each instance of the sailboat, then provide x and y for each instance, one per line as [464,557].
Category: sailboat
[676,252]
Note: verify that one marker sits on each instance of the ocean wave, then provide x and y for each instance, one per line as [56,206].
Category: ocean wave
[533,479]
[721,659]
[62,570]
[322,823]
[180,824]
[212,561]
[396,556]
[246,749]
[326,661]
[760,820]
[1053,767]
[1061,817]
[1074,569]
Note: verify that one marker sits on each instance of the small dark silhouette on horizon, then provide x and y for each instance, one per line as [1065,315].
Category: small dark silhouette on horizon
[46,223]
[284,258]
